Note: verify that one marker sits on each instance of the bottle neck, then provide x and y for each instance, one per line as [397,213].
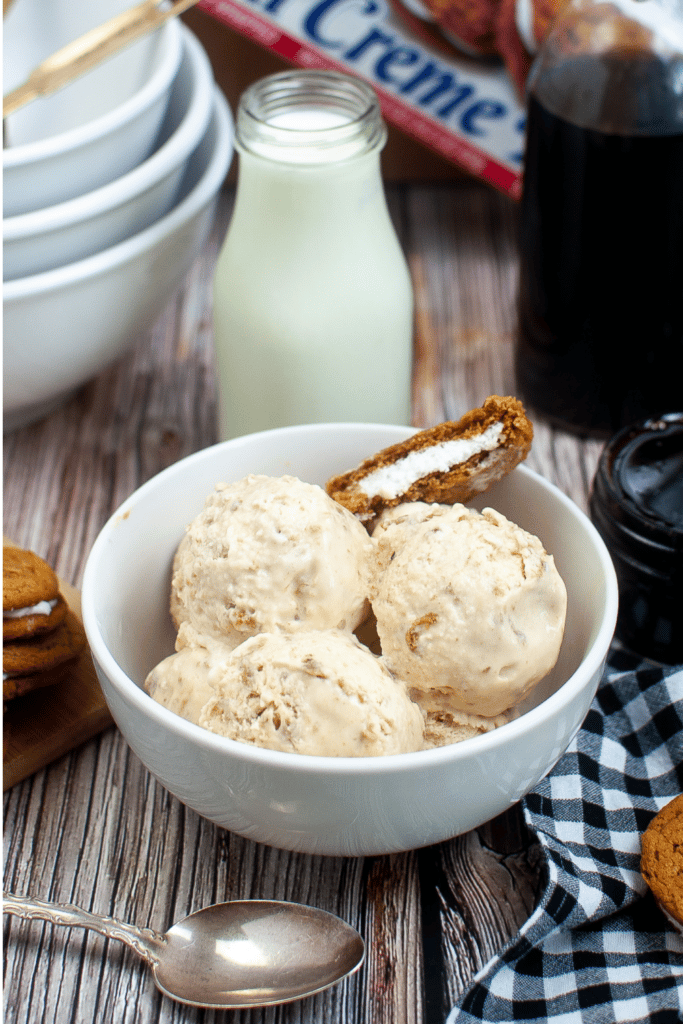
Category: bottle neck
[309,119]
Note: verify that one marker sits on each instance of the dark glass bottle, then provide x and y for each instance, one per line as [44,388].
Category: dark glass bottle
[601,241]
[636,505]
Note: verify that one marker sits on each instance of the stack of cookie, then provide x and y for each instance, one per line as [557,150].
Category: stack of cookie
[42,638]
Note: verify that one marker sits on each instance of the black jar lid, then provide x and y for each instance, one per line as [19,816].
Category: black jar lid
[636,504]
[639,482]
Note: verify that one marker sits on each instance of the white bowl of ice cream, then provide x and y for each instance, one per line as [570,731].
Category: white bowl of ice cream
[310,802]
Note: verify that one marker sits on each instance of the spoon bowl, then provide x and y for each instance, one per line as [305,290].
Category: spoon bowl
[245,953]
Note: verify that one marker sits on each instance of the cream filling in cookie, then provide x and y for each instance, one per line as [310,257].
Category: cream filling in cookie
[397,477]
[42,608]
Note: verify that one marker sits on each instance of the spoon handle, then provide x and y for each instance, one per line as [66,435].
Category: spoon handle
[144,941]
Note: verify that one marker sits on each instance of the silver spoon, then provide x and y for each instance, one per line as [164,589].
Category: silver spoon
[230,955]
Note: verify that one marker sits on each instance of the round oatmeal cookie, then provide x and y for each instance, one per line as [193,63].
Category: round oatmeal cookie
[661,862]
[30,594]
[44,652]
[26,579]
[446,464]
[17,686]
[34,620]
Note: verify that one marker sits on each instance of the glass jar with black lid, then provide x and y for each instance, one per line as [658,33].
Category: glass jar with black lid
[636,505]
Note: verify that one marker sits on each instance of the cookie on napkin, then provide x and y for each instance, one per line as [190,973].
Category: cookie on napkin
[661,862]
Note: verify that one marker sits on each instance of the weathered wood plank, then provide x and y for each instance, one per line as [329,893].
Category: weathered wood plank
[463,258]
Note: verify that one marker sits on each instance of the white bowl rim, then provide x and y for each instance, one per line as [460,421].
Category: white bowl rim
[103,262]
[310,763]
[176,148]
[54,145]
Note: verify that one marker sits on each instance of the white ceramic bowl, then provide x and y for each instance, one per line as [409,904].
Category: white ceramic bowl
[318,805]
[55,235]
[64,326]
[95,129]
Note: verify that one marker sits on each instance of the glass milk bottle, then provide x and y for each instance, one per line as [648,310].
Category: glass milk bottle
[313,303]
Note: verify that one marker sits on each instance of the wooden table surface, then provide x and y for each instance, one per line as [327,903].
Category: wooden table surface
[95,829]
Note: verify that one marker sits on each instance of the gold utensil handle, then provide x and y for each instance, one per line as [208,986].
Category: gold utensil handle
[88,50]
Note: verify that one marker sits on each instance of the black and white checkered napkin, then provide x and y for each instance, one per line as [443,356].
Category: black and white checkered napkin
[597,950]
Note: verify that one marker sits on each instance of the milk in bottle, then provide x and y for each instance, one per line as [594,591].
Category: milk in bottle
[313,303]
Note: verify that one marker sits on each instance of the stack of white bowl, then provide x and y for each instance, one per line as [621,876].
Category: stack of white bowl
[109,190]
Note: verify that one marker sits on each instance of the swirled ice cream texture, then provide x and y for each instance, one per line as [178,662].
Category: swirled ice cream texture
[270,553]
[313,692]
[181,681]
[393,529]
[470,612]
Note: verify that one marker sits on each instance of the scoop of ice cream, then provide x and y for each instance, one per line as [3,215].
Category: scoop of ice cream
[471,612]
[270,553]
[312,692]
[181,681]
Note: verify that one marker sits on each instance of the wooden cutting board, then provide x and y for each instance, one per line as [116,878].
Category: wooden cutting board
[41,726]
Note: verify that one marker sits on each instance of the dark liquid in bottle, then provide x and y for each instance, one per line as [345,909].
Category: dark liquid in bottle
[601,288]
